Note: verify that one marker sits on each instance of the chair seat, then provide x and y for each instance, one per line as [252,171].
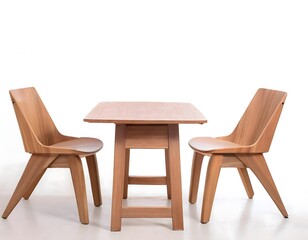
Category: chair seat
[215,145]
[80,146]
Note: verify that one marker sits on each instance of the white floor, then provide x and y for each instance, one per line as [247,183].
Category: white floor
[51,211]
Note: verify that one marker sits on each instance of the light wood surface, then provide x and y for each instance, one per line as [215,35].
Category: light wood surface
[145,113]
[122,178]
[146,125]
[118,177]
[175,177]
[195,176]
[258,165]
[147,180]
[167,164]
[246,181]
[211,180]
[79,187]
[146,212]
[146,136]
[242,149]
[126,173]
[94,178]
[51,149]
[33,172]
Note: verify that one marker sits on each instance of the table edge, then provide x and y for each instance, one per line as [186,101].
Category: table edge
[145,121]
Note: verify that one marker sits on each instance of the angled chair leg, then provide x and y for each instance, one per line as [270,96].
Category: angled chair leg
[212,176]
[94,179]
[246,181]
[36,166]
[168,174]
[195,176]
[31,188]
[126,173]
[79,187]
[258,166]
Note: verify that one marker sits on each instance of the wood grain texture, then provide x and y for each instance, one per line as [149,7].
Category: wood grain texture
[146,136]
[79,187]
[118,177]
[195,177]
[167,165]
[255,130]
[147,125]
[39,132]
[34,121]
[147,180]
[146,212]
[94,178]
[175,177]
[51,149]
[60,162]
[145,113]
[126,173]
[78,146]
[36,166]
[258,165]
[244,147]
[246,181]
[257,126]
[212,174]
[122,178]
[32,186]
[231,160]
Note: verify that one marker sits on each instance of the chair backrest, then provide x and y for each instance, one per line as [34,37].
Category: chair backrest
[257,126]
[35,124]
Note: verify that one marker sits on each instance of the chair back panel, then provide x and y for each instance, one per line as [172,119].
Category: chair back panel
[258,123]
[35,123]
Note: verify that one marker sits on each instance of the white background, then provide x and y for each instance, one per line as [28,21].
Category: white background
[213,54]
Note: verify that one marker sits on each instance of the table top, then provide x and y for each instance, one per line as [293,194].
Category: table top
[145,113]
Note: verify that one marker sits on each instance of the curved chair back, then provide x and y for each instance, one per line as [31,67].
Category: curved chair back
[257,126]
[35,124]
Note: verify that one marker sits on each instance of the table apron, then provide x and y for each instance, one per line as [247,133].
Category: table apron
[147,136]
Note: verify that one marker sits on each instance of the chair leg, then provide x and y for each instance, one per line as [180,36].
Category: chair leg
[212,176]
[195,176]
[258,166]
[246,181]
[31,188]
[168,173]
[33,172]
[126,173]
[79,187]
[94,178]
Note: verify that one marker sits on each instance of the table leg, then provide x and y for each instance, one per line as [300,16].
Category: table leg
[118,176]
[168,173]
[175,177]
[126,173]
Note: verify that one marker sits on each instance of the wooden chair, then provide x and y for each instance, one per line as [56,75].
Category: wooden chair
[50,149]
[242,149]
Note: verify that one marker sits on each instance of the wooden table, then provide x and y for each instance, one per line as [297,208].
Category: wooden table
[146,125]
